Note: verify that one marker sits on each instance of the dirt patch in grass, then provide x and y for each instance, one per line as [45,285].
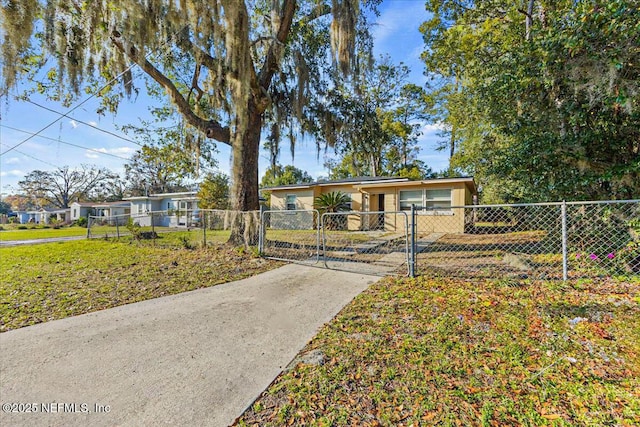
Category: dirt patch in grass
[468,353]
[56,280]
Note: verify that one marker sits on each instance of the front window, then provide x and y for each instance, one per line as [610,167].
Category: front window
[438,199]
[291,202]
[425,200]
[411,197]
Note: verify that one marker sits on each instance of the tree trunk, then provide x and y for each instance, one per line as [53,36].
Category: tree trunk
[245,143]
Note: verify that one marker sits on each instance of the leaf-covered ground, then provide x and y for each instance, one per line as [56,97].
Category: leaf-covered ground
[55,280]
[434,351]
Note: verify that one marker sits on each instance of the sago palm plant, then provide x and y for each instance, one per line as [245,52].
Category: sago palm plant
[333,202]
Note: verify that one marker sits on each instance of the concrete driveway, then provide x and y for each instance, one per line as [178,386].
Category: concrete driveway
[193,359]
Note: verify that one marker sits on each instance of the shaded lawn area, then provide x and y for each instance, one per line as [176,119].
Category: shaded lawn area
[55,280]
[436,351]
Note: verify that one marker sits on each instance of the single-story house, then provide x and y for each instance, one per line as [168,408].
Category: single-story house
[176,207]
[119,208]
[80,209]
[22,216]
[42,216]
[435,201]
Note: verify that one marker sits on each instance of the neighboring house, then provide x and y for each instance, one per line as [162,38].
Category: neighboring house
[43,216]
[178,208]
[61,215]
[80,209]
[120,208]
[22,216]
[432,197]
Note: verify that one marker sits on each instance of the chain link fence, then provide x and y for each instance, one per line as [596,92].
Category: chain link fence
[191,228]
[540,241]
[368,242]
[291,235]
[537,241]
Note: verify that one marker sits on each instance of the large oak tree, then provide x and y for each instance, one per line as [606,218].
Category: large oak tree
[63,186]
[231,68]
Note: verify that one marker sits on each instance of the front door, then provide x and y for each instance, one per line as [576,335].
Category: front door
[380,221]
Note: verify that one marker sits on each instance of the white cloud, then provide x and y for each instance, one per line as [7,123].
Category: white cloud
[91,155]
[73,124]
[433,127]
[92,123]
[12,161]
[13,172]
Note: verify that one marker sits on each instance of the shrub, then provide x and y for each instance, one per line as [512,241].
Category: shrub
[134,228]
[23,227]
[81,222]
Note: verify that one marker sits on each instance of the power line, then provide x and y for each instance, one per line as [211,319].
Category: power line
[34,158]
[71,110]
[87,99]
[63,142]
[84,123]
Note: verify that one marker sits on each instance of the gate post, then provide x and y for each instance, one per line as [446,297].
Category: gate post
[261,229]
[412,250]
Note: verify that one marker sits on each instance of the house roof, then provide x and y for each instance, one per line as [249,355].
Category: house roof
[369,182]
[119,203]
[185,195]
[468,181]
[354,181]
[83,204]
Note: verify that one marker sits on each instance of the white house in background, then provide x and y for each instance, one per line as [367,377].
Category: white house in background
[179,206]
[80,209]
[120,208]
[43,216]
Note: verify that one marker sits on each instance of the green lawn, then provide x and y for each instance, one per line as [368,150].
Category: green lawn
[436,351]
[50,281]
[41,233]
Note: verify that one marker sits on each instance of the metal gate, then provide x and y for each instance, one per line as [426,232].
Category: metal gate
[365,242]
[291,235]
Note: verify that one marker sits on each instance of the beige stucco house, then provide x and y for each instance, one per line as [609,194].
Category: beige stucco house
[435,200]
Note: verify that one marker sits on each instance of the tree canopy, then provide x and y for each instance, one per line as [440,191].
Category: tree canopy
[541,99]
[63,186]
[230,68]
[284,175]
[214,191]
[375,123]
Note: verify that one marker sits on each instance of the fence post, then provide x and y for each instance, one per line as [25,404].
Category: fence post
[117,228]
[261,230]
[88,226]
[153,229]
[564,241]
[412,250]
[204,221]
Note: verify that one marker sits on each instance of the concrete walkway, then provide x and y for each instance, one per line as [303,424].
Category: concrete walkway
[193,359]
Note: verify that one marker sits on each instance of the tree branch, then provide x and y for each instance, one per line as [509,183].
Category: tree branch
[211,128]
[271,61]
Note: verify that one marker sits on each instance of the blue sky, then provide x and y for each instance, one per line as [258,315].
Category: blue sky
[396,34]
